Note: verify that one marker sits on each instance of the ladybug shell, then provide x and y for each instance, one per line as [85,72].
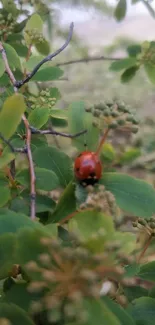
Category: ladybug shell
[88,167]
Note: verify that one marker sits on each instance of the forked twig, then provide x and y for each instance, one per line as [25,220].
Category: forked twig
[18,84]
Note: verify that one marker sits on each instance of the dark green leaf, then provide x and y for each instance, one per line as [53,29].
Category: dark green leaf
[123,64]
[19,295]
[132,195]
[14,314]
[78,120]
[11,222]
[20,49]
[143,311]
[118,311]
[131,270]
[7,254]
[135,292]
[66,204]
[10,115]
[55,160]
[150,71]
[147,271]
[134,50]
[128,74]
[4,195]
[48,74]
[99,313]
[120,10]
[46,180]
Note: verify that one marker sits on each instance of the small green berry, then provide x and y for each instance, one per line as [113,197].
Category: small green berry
[121,121]
[96,113]
[134,129]
[114,114]
[107,112]
[113,125]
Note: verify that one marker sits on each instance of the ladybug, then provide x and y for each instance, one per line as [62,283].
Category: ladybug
[88,168]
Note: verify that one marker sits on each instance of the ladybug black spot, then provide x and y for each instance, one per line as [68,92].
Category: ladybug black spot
[92,174]
[77,169]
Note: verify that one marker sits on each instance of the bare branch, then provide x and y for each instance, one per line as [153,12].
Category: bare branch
[53,132]
[28,136]
[88,59]
[19,84]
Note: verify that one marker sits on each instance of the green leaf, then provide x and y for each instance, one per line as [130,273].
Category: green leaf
[38,141]
[20,49]
[46,180]
[12,56]
[134,50]
[118,311]
[129,155]
[147,271]
[59,113]
[123,64]
[143,311]
[132,195]
[11,222]
[11,114]
[38,117]
[55,93]
[66,204]
[30,248]
[131,270]
[22,203]
[87,223]
[120,10]
[32,62]
[4,195]
[53,159]
[128,74]
[150,71]
[20,296]
[43,47]
[14,314]
[36,22]
[98,313]
[5,159]
[2,68]
[135,292]
[48,74]
[7,254]
[78,120]
[108,153]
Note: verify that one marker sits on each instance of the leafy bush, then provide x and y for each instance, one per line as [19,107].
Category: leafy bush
[70,254]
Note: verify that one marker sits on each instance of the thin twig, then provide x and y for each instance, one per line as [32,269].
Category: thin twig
[145,248]
[65,135]
[88,59]
[28,136]
[49,57]
[12,148]
[102,141]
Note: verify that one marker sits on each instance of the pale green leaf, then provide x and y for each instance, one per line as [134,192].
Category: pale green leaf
[5,159]
[11,114]
[38,117]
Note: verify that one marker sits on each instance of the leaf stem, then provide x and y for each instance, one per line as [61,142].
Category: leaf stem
[145,248]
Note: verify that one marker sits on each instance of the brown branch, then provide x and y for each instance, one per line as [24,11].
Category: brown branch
[65,135]
[28,135]
[147,244]
[102,141]
[88,59]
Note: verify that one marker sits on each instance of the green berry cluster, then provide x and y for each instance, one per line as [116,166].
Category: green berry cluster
[114,115]
[45,100]
[34,35]
[147,225]
[7,25]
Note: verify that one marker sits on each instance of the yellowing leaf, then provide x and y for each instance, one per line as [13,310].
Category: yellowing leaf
[35,21]
[10,115]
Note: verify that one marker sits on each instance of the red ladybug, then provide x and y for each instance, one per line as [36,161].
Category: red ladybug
[88,168]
